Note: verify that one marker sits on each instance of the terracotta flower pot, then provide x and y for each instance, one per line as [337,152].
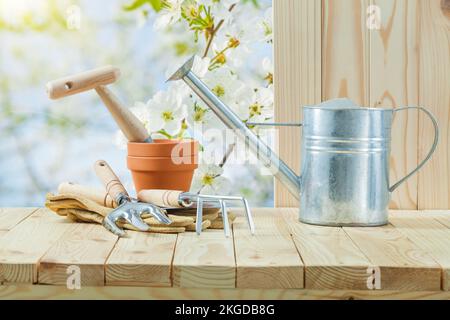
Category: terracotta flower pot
[163,164]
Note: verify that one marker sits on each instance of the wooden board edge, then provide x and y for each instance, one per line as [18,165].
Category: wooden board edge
[23,292]
[287,277]
[343,277]
[157,275]
[28,274]
[187,277]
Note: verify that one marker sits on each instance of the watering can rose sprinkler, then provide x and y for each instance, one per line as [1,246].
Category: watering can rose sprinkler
[344,177]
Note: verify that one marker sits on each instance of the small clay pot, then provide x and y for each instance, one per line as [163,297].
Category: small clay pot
[163,164]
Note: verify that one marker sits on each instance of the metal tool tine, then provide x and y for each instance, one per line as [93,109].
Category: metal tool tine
[159,213]
[248,213]
[226,224]
[198,223]
[136,221]
[162,218]
[112,227]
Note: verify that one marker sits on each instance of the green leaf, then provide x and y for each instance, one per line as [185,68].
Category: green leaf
[155,4]
[135,5]
[254,2]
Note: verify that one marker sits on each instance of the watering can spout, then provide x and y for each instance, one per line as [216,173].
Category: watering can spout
[264,153]
[183,71]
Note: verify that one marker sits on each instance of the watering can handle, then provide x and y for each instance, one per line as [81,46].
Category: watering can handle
[432,150]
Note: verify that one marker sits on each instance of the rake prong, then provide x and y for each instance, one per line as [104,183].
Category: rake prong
[110,224]
[223,207]
[248,213]
[136,221]
[199,218]
[226,224]
[157,212]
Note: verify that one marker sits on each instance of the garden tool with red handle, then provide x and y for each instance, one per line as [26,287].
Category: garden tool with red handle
[97,79]
[128,210]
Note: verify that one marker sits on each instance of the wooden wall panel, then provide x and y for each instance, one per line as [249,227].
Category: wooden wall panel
[345,51]
[394,82]
[297,51]
[405,62]
[434,178]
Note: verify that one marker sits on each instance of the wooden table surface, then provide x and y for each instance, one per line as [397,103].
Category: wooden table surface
[285,259]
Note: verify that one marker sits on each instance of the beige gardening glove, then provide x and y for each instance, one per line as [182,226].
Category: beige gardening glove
[81,209]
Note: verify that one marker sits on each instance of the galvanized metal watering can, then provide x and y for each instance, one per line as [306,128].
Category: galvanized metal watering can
[344,177]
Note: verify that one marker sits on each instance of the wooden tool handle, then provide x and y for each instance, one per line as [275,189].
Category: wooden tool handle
[162,198]
[132,127]
[112,183]
[97,195]
[82,81]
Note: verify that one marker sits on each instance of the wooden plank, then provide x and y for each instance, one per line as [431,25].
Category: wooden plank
[429,235]
[403,266]
[268,259]
[443,218]
[332,261]
[394,82]
[86,246]
[141,259]
[267,219]
[10,217]
[346,51]
[40,292]
[297,76]
[205,261]
[23,246]
[434,178]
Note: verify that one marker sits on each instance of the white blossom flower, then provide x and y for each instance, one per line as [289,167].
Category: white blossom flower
[224,84]
[166,112]
[220,9]
[208,180]
[216,3]
[200,66]
[198,113]
[237,37]
[141,111]
[244,31]
[267,25]
[197,117]
[256,106]
[170,14]
[267,68]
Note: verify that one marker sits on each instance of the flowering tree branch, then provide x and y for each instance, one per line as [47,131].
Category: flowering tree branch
[214,31]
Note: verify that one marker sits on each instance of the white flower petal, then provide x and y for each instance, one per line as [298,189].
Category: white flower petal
[155,123]
[220,186]
[200,66]
[172,127]
[267,65]
[264,96]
